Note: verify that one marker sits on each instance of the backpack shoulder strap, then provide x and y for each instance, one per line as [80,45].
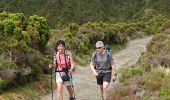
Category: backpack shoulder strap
[95,60]
[54,56]
[109,58]
[67,54]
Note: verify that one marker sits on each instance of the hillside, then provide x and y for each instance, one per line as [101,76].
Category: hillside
[59,12]
[29,34]
[149,78]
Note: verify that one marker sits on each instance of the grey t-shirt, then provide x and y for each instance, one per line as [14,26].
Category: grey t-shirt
[102,63]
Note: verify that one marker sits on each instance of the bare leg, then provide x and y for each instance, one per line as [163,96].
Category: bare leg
[70,90]
[59,91]
[101,90]
[105,86]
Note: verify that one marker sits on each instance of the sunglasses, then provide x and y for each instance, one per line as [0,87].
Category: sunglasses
[98,47]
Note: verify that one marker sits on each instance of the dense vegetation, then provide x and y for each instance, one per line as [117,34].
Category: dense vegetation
[82,38]
[24,37]
[59,12]
[149,78]
[21,40]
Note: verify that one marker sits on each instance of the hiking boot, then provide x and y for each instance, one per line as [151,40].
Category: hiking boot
[72,98]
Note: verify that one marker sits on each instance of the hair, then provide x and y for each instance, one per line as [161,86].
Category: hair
[58,43]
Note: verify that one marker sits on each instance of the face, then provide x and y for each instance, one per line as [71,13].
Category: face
[60,48]
[99,49]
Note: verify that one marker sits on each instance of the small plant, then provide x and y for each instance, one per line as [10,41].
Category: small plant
[2,85]
[6,65]
[164,91]
[166,25]
[73,27]
[146,67]
[154,80]
[135,71]
[124,76]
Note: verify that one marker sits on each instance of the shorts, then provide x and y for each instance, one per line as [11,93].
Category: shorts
[59,79]
[103,77]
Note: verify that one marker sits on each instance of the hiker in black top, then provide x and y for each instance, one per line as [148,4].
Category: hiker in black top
[102,66]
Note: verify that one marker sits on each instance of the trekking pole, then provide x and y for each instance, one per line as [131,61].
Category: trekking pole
[72,85]
[52,83]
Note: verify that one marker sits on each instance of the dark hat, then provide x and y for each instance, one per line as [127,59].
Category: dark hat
[60,42]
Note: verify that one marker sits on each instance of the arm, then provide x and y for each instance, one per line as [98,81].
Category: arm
[72,62]
[92,66]
[93,70]
[113,69]
[54,64]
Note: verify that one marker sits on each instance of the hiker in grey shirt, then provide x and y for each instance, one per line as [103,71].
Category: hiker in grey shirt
[102,66]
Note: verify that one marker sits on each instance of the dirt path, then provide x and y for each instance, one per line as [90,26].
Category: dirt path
[85,83]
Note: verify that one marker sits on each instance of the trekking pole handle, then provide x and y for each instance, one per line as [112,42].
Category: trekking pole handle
[51,65]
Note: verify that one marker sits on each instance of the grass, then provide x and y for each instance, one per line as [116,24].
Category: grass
[30,91]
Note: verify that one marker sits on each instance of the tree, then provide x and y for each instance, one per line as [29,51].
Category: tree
[17,34]
[12,38]
[39,31]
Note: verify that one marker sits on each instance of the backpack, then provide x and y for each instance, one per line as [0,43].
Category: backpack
[108,50]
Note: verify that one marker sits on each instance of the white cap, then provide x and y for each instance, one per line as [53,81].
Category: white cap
[99,44]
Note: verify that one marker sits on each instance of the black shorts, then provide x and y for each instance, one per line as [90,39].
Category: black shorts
[103,77]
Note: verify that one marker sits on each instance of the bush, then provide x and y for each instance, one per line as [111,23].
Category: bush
[146,67]
[7,65]
[164,91]
[1,51]
[73,27]
[157,51]
[135,71]
[166,25]
[124,76]
[2,85]
[154,79]
[37,62]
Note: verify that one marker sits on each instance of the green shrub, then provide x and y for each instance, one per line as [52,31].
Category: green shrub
[1,51]
[135,71]
[124,76]
[146,98]
[2,85]
[82,60]
[73,27]
[153,85]
[166,25]
[164,91]
[157,51]
[6,65]
[154,79]
[146,67]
